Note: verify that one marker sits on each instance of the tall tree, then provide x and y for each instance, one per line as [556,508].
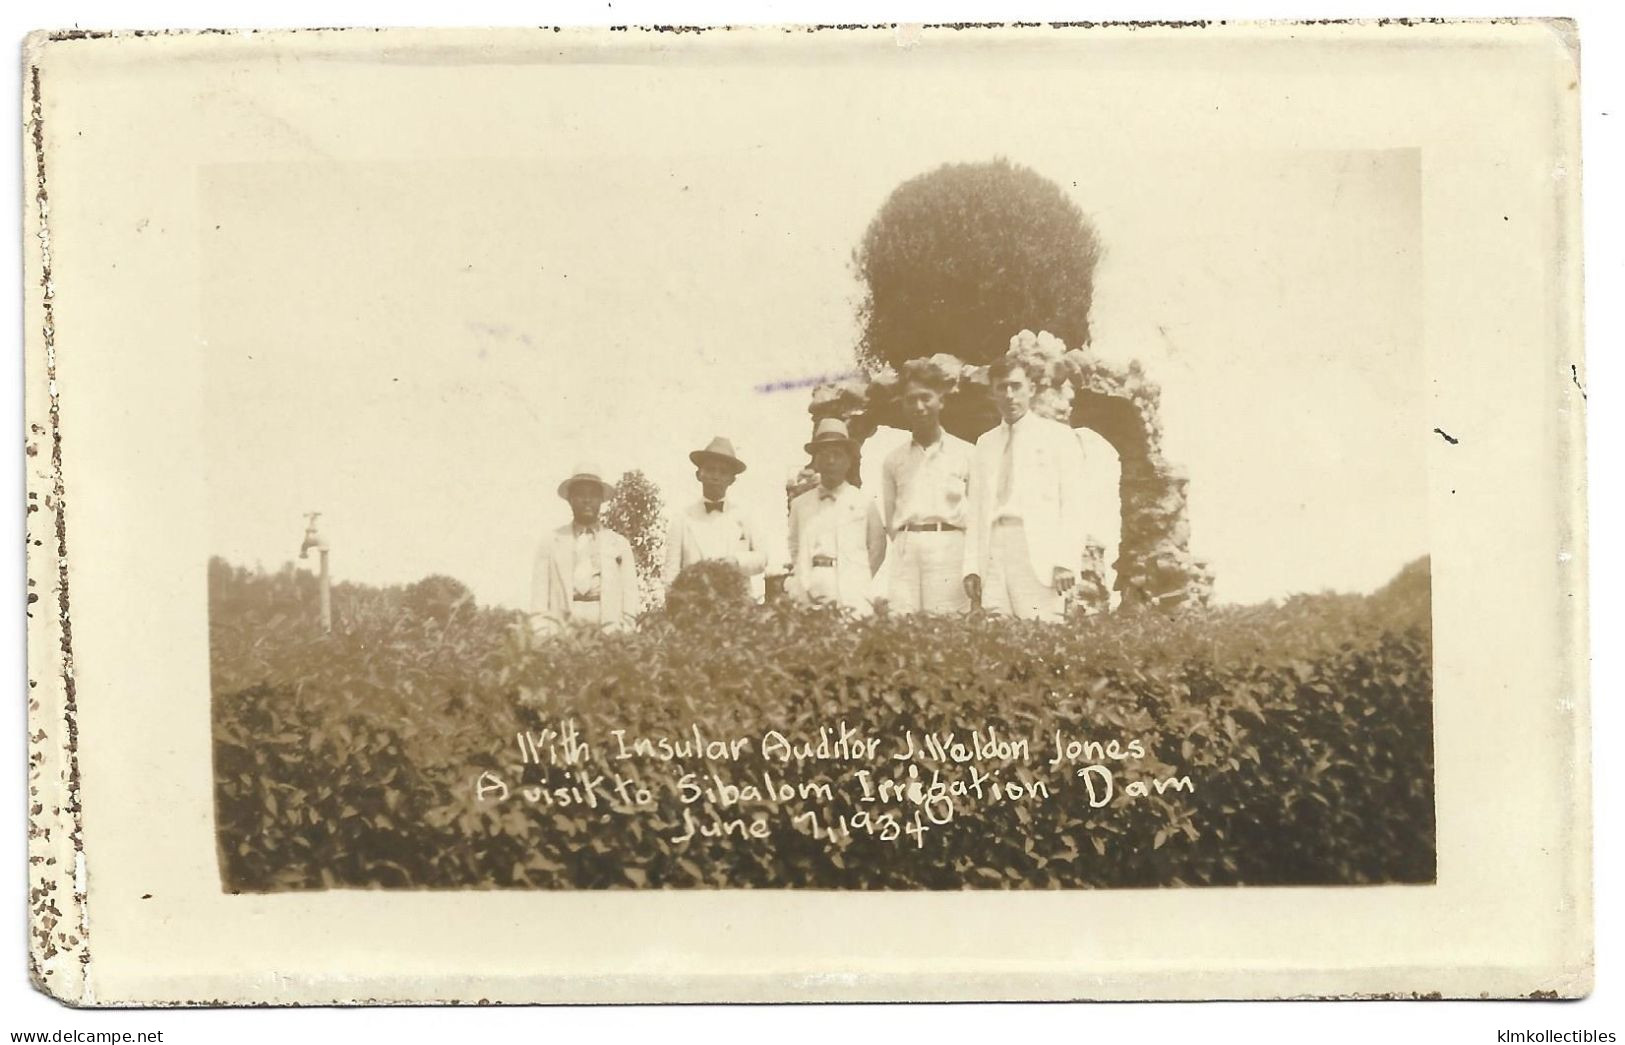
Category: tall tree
[960,259]
[637,512]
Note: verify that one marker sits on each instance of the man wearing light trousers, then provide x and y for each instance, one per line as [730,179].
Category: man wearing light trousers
[924,486]
[1027,536]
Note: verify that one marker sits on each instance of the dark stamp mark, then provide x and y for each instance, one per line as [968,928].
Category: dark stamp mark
[806,382]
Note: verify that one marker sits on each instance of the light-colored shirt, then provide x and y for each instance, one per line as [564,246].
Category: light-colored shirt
[698,535]
[1020,458]
[1045,493]
[926,484]
[845,525]
[816,528]
[821,525]
[585,579]
[552,581]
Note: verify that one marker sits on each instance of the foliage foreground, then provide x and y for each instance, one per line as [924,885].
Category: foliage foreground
[427,743]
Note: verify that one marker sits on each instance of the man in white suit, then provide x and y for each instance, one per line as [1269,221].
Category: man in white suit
[1027,532]
[837,540]
[584,572]
[713,527]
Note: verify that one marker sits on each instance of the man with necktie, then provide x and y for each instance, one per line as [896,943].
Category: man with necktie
[923,489]
[1027,533]
[584,572]
[837,539]
[713,527]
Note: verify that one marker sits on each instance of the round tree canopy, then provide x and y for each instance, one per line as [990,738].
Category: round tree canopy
[959,258]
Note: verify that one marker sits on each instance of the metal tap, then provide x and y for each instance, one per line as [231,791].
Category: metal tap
[312,539]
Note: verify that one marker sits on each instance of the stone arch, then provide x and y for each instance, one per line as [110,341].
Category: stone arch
[1154,563]
[1154,566]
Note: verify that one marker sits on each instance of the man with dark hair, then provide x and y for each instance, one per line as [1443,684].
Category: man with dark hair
[1027,533]
[713,527]
[584,572]
[923,490]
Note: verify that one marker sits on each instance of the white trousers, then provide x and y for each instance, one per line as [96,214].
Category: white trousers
[1009,585]
[594,613]
[826,584]
[927,572]
[588,612]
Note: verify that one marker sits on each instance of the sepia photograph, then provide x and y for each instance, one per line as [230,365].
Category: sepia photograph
[996,506]
[763,514]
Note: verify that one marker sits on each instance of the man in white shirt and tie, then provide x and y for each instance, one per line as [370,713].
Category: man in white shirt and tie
[924,486]
[712,527]
[1027,532]
[837,539]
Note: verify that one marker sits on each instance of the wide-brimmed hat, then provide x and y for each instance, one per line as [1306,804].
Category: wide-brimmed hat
[585,473]
[721,451]
[831,431]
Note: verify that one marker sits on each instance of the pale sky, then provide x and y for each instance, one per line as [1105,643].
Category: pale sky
[422,350]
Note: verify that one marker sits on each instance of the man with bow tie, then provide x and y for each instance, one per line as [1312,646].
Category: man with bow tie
[713,527]
[837,539]
[584,572]
[1027,532]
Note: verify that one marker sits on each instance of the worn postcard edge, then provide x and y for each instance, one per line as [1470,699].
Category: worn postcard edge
[59,946]
[58,942]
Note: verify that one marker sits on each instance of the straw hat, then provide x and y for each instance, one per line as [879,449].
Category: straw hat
[585,473]
[721,451]
[830,431]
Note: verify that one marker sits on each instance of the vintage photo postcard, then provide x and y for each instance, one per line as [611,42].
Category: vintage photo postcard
[805,514]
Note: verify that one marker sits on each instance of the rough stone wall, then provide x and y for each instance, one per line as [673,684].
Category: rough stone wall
[1154,565]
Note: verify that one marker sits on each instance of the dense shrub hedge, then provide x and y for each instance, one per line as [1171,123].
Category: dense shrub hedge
[1305,729]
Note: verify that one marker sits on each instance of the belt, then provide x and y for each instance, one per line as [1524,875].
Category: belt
[824,561]
[931,527]
[1007,520]
[584,598]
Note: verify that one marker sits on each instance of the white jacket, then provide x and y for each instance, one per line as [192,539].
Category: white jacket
[1047,487]
[850,531]
[696,537]
[550,596]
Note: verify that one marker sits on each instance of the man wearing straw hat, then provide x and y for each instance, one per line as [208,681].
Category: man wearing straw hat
[837,540]
[713,527]
[584,571]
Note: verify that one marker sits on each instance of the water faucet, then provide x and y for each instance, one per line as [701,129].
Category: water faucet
[312,539]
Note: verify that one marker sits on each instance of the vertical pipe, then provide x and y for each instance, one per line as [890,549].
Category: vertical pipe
[327,597]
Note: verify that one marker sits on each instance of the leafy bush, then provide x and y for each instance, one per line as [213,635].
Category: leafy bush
[706,591]
[438,597]
[1305,728]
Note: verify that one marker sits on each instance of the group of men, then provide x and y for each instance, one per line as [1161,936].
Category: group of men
[998,525]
